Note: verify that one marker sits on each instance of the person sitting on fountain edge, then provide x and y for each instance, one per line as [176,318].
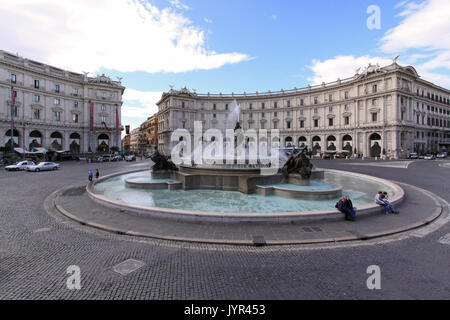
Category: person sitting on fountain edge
[350,207]
[341,205]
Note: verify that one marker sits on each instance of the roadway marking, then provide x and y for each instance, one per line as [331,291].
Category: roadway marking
[128,266]
[445,239]
[393,164]
[445,165]
[42,230]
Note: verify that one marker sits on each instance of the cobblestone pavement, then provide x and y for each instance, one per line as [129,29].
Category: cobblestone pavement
[36,248]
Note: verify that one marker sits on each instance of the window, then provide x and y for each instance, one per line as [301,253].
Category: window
[275,125]
[262,115]
[75,118]
[202,106]
[214,116]
[302,102]
[57,116]
[183,104]
[75,92]
[262,125]
[275,105]
[288,113]
[226,106]
[374,102]
[316,123]
[250,106]
[36,98]
[330,122]
[346,95]
[374,117]
[103,107]
[103,118]
[36,84]
[251,115]
[316,100]
[214,107]
[316,110]
[36,114]
[75,104]
[288,124]
[289,103]
[330,109]
[374,88]
[346,121]
[15,111]
[301,112]
[275,114]
[57,101]
[330,97]
[56,87]
[302,123]
[346,107]
[13,78]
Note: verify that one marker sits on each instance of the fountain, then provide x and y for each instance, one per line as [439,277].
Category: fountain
[237,189]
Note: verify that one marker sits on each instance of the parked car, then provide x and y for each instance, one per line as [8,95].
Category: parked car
[117,158]
[413,155]
[108,158]
[22,165]
[130,158]
[430,157]
[442,155]
[43,166]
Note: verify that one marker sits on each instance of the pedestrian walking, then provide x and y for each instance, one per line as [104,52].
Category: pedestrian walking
[91,175]
[97,174]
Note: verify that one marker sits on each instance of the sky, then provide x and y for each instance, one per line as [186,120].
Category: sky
[226,45]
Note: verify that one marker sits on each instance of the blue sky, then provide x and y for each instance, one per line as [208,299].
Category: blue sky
[226,46]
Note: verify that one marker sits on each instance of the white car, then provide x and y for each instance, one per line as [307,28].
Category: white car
[442,155]
[430,157]
[23,165]
[44,166]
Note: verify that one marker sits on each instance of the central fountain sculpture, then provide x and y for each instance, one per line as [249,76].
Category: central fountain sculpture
[245,178]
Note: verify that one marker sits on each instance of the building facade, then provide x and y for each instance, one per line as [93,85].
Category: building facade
[149,134]
[126,143]
[53,108]
[135,140]
[386,111]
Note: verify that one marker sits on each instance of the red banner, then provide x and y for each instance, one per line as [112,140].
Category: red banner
[92,117]
[117,121]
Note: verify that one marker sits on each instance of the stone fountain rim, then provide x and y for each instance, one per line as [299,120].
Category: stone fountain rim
[197,216]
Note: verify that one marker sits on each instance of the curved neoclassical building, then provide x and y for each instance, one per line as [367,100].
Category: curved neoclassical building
[382,111]
[57,109]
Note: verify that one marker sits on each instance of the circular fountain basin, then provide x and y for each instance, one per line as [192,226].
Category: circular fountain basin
[234,206]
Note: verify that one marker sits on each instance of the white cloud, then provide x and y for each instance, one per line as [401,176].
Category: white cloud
[341,67]
[421,39]
[426,25]
[140,104]
[123,35]
[179,5]
[425,30]
[208,20]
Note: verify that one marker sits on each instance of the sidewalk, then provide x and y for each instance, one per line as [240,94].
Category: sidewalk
[418,208]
